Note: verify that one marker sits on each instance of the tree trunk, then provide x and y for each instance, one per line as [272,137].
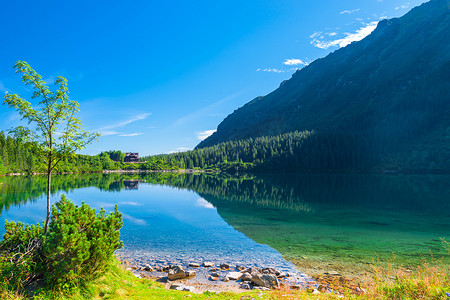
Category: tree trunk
[49,181]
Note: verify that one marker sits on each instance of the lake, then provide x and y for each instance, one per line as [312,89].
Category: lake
[318,222]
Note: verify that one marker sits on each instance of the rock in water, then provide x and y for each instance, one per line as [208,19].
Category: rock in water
[265,280]
[194,265]
[176,272]
[234,275]
[208,264]
[190,273]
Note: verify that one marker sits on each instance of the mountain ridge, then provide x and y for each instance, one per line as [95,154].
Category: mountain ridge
[392,87]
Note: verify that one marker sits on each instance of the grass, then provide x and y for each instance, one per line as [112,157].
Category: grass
[430,280]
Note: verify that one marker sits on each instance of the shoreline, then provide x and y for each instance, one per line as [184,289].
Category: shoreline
[182,171]
[214,276]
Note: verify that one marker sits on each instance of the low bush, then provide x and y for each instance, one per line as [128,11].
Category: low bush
[77,247]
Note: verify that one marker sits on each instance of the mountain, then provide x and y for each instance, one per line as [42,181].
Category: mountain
[391,89]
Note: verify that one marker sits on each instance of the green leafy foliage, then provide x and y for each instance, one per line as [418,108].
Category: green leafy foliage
[80,242]
[78,246]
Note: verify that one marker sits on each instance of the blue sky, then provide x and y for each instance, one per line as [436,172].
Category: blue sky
[158,76]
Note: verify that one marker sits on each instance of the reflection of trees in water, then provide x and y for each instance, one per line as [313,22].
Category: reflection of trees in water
[310,192]
[17,190]
[294,192]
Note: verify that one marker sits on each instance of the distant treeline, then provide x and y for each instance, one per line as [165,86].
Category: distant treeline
[305,151]
[289,152]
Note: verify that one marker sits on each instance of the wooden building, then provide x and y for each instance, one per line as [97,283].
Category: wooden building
[131,157]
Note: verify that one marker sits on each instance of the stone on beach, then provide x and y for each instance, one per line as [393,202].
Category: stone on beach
[265,280]
[246,277]
[176,272]
[225,266]
[234,275]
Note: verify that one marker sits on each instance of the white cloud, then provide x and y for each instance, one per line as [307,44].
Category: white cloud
[294,62]
[349,11]
[204,134]
[349,38]
[131,134]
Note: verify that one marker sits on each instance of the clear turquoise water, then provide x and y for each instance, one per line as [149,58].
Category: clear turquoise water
[314,220]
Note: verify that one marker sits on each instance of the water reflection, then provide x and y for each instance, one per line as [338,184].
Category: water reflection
[322,217]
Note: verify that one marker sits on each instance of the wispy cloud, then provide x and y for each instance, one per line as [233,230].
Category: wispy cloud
[349,11]
[130,203]
[204,134]
[180,149]
[295,62]
[403,6]
[131,120]
[209,110]
[319,41]
[106,130]
[273,70]
[131,134]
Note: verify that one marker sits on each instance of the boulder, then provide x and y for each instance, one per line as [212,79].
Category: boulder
[176,272]
[225,266]
[265,280]
[233,275]
[246,277]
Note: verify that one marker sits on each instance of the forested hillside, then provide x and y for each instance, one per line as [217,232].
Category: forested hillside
[391,91]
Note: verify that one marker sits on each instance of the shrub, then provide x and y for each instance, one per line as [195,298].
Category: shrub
[80,242]
[77,247]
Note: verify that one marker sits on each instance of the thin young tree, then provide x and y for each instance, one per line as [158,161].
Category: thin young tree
[52,125]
